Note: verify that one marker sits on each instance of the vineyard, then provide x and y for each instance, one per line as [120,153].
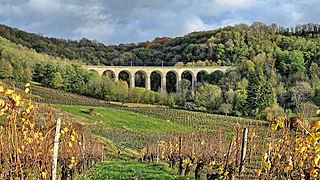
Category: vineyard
[124,128]
[27,136]
[207,154]
[53,96]
[175,143]
[198,120]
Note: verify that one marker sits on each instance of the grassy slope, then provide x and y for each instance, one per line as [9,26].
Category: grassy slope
[115,118]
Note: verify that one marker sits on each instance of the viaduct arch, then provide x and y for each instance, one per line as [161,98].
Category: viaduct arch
[147,70]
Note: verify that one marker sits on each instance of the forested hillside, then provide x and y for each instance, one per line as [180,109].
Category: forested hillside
[277,69]
[225,46]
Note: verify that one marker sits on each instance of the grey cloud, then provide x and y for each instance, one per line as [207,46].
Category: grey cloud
[124,21]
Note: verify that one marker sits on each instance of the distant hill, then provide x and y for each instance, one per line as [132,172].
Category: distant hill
[224,46]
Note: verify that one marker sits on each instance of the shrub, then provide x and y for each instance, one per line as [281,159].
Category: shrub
[270,113]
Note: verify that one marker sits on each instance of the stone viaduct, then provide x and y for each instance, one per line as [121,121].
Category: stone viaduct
[161,70]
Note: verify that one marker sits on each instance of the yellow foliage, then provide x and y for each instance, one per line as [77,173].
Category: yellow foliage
[274,126]
[44,174]
[16,99]
[313,172]
[303,149]
[267,165]
[316,160]
[303,146]
[27,90]
[65,129]
[73,159]
[315,124]
[281,124]
[258,172]
[19,151]
[9,92]
[265,157]
[289,165]
[72,138]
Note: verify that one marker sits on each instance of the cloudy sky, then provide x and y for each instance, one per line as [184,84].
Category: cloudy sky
[125,21]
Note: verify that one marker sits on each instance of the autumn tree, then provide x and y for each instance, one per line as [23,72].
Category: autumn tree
[6,70]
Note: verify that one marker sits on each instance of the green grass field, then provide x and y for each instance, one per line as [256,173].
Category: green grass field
[125,133]
[131,170]
[115,118]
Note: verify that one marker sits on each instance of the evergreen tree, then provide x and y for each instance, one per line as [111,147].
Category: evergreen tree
[260,94]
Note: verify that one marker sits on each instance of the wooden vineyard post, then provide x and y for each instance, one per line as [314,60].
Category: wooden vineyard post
[158,153]
[55,150]
[180,158]
[243,149]
[229,152]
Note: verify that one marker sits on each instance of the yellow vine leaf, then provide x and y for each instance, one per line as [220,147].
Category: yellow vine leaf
[1,89]
[19,151]
[9,92]
[274,127]
[267,165]
[318,111]
[16,99]
[44,175]
[73,159]
[312,170]
[26,90]
[70,144]
[289,165]
[303,149]
[317,148]
[265,157]
[316,160]
[317,135]
[2,103]
[258,172]
[70,166]
[212,163]
[315,124]
[281,124]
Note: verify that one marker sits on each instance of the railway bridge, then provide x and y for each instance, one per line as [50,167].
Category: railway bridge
[114,72]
